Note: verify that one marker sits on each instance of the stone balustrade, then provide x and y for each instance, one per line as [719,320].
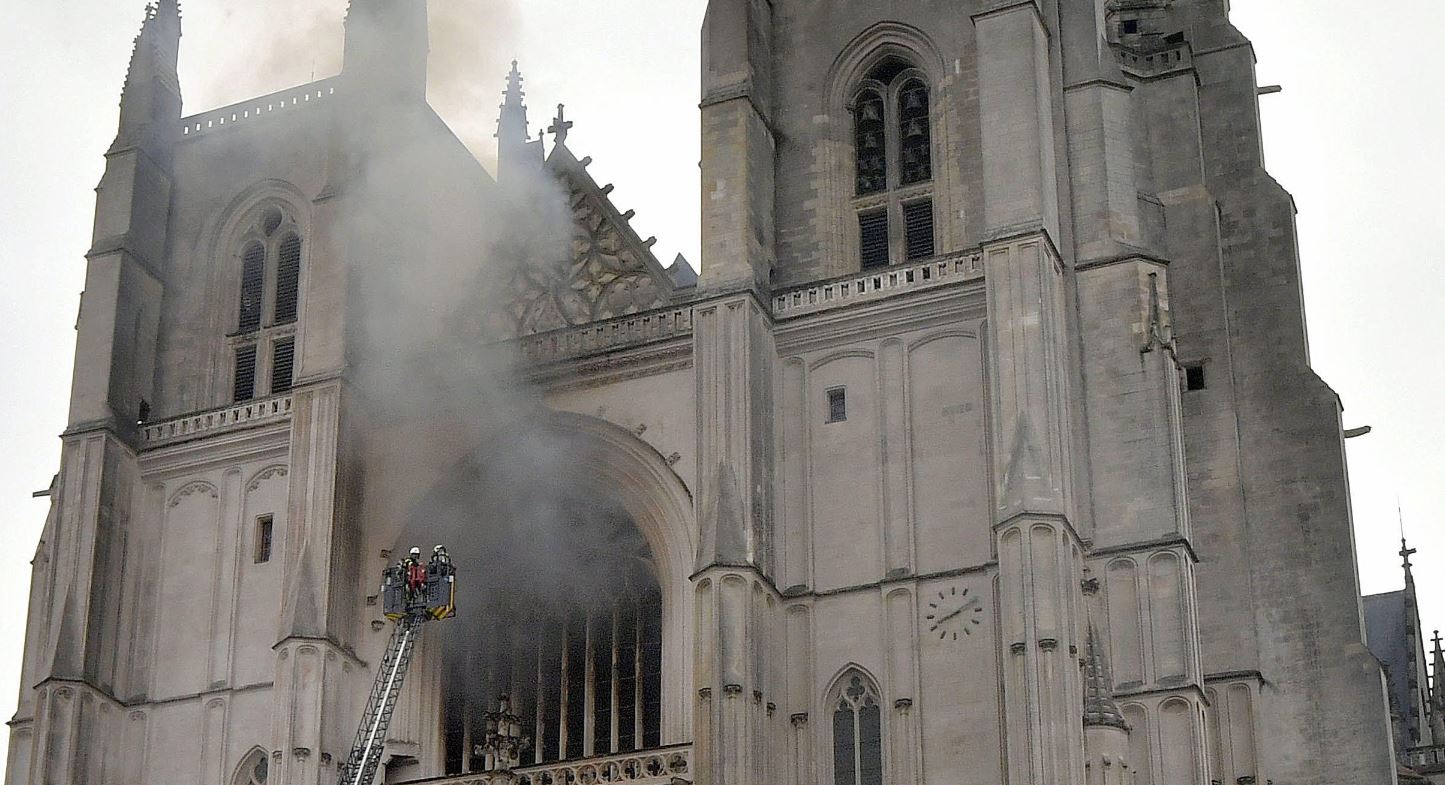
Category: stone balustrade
[231,418]
[633,330]
[878,283]
[662,766]
[228,116]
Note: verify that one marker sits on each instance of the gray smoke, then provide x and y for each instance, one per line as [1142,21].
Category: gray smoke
[430,250]
[290,42]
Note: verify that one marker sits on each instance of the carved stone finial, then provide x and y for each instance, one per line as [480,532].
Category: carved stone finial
[1100,709]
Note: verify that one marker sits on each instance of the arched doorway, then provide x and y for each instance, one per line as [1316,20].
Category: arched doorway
[574,541]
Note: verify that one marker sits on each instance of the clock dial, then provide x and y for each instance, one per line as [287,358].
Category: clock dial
[953,613]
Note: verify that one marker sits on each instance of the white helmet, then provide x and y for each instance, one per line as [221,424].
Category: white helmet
[416,551]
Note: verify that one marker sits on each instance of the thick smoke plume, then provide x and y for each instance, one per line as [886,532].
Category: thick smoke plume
[290,42]
[460,458]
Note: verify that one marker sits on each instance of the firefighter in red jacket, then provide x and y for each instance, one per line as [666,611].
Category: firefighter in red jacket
[413,574]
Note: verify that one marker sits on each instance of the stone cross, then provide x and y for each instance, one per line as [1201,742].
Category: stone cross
[561,125]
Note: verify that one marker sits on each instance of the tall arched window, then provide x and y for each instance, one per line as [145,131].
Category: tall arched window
[581,667]
[893,159]
[857,732]
[263,346]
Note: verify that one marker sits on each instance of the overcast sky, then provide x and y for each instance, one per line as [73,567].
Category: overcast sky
[1356,136]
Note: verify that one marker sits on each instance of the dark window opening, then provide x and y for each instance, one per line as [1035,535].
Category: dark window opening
[598,662]
[1194,378]
[265,527]
[888,69]
[837,405]
[283,366]
[918,229]
[873,239]
[1129,26]
[915,137]
[857,736]
[575,685]
[288,279]
[870,143]
[253,287]
[244,387]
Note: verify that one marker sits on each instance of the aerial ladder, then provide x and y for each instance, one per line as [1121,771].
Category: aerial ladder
[413,593]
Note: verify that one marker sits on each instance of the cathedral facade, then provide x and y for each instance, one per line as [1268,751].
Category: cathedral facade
[985,448]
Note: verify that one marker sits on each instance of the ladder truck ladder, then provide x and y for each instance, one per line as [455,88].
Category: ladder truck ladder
[370,742]
[412,594]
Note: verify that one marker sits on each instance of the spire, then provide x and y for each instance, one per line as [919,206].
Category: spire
[513,136]
[151,99]
[387,46]
[1100,709]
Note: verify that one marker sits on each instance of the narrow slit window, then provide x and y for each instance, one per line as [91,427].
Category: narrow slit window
[288,279]
[918,229]
[283,366]
[253,287]
[265,530]
[837,405]
[915,138]
[873,239]
[244,385]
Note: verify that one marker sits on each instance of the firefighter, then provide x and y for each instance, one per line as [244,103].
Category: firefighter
[414,577]
[440,559]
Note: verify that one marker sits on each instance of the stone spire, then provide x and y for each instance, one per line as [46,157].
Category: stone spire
[151,99]
[514,144]
[1100,709]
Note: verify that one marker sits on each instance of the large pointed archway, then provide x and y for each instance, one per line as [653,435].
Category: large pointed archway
[575,540]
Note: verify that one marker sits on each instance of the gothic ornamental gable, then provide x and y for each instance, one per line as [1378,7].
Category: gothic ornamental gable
[610,273]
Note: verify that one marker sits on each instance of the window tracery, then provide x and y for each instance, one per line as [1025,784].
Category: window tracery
[893,164]
[263,346]
[857,732]
[254,770]
[584,673]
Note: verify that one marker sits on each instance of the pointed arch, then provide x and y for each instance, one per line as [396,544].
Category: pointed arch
[254,769]
[885,122]
[256,252]
[855,710]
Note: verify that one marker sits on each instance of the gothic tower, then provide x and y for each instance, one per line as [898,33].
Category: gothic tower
[985,447]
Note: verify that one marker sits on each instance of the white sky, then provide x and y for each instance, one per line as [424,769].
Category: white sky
[1355,136]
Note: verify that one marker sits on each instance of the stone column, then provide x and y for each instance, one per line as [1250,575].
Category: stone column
[735,599]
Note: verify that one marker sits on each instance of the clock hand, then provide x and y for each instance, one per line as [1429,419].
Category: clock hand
[949,616]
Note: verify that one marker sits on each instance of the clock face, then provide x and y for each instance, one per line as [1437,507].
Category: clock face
[954,612]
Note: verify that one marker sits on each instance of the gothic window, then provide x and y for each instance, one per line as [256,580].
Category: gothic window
[263,346]
[254,770]
[893,162]
[584,673]
[857,732]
